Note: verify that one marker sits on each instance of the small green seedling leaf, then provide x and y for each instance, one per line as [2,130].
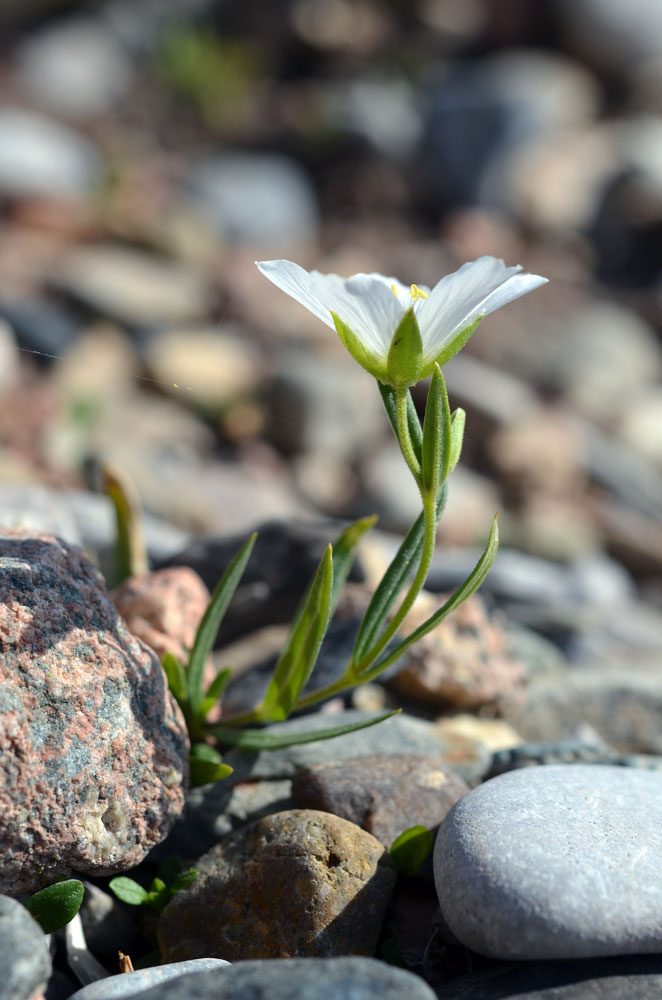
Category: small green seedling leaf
[436,435]
[257,739]
[405,355]
[411,849]
[206,765]
[56,905]
[387,392]
[128,891]
[391,584]
[176,675]
[211,621]
[183,880]
[298,658]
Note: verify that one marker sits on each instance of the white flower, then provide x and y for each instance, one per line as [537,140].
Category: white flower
[368,310]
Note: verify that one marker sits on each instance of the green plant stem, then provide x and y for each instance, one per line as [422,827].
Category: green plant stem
[404,438]
[353,673]
[429,538]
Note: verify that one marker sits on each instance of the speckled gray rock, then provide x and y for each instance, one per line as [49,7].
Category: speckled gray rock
[132,984]
[629,977]
[555,862]
[94,748]
[25,963]
[574,751]
[298,979]
[296,884]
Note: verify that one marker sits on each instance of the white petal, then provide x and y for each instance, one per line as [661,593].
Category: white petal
[479,287]
[374,309]
[298,283]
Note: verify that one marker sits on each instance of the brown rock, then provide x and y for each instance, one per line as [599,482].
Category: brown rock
[465,661]
[299,883]
[383,794]
[94,749]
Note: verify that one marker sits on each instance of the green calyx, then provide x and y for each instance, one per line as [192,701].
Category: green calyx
[405,355]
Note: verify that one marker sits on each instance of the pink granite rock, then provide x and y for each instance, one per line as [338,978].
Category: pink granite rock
[93,749]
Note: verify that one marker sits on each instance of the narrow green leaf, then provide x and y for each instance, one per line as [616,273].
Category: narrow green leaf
[158,885]
[411,849]
[130,549]
[470,586]
[257,739]
[206,765]
[176,675]
[215,691]
[451,349]
[436,435]
[128,891]
[298,658]
[56,905]
[376,366]
[387,392]
[343,550]
[400,568]
[211,620]
[405,355]
[458,420]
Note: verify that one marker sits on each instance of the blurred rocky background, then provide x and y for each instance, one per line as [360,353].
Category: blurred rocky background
[150,152]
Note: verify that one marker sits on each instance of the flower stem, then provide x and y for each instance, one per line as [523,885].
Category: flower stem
[429,538]
[404,437]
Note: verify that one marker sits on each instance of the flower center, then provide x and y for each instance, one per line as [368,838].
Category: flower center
[417,293]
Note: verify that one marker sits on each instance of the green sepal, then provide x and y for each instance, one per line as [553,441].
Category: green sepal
[206,765]
[401,567]
[298,658]
[458,420]
[387,392]
[257,739]
[465,590]
[56,905]
[411,849]
[405,355]
[451,349]
[355,346]
[436,435]
[211,621]
[176,676]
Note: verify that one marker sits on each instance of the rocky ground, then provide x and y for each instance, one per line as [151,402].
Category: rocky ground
[138,183]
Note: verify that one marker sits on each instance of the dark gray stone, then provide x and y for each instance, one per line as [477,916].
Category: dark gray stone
[25,963]
[636,977]
[350,978]
[555,862]
[574,751]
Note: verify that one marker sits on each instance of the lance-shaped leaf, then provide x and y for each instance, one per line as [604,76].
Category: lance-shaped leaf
[176,675]
[298,658]
[401,567]
[130,548]
[343,552]
[470,586]
[405,355]
[436,435]
[458,420]
[258,739]
[211,620]
[215,691]
[56,905]
[387,392]
[206,765]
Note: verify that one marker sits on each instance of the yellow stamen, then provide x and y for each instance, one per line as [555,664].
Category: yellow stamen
[417,293]
[394,290]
